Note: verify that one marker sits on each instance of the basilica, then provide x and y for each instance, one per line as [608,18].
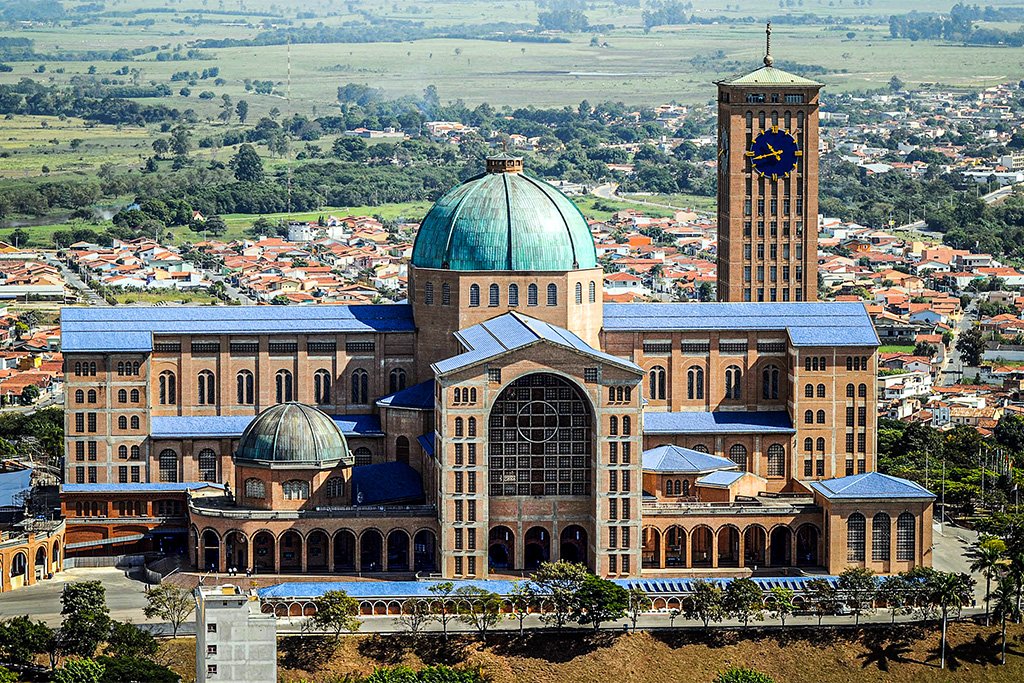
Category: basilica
[505,415]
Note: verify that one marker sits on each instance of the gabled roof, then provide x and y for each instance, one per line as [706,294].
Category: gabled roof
[871,485]
[769,75]
[722,479]
[513,331]
[418,396]
[676,459]
[386,482]
[726,422]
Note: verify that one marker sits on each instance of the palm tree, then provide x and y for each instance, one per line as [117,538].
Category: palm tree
[949,590]
[988,556]
[1005,596]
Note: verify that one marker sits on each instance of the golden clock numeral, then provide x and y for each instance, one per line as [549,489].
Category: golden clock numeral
[787,174]
[798,153]
[775,177]
[749,154]
[775,129]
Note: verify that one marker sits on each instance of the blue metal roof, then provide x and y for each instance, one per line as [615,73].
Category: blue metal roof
[166,487]
[386,482]
[513,331]
[418,396]
[677,459]
[871,485]
[232,426]
[12,484]
[130,328]
[808,324]
[719,422]
[721,479]
[427,441]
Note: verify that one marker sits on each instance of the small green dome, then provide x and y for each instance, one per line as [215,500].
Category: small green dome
[504,220]
[293,434]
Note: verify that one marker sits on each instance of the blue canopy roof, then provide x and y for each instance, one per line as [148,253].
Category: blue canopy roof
[418,396]
[131,328]
[386,482]
[871,485]
[721,479]
[725,422]
[427,442]
[808,324]
[142,487]
[232,426]
[677,459]
[12,484]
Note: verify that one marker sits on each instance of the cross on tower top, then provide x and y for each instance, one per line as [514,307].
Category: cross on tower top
[768,60]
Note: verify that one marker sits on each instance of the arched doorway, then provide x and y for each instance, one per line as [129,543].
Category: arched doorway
[675,547]
[398,551]
[371,546]
[236,547]
[211,552]
[19,570]
[344,551]
[781,540]
[316,551]
[402,449]
[807,546]
[55,558]
[537,548]
[263,549]
[574,544]
[701,543]
[501,544]
[41,569]
[651,549]
[728,547]
[424,551]
[755,546]
[291,551]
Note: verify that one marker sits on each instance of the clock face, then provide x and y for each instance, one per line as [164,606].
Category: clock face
[774,153]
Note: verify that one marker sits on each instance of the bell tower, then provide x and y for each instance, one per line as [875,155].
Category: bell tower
[768,185]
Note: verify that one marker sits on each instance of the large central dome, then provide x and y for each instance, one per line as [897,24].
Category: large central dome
[504,220]
[293,434]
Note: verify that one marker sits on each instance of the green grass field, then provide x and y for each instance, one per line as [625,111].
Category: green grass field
[158,297]
[896,348]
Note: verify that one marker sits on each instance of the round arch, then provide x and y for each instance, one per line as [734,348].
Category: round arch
[371,551]
[675,546]
[537,547]
[501,548]
[236,546]
[780,542]
[728,546]
[290,548]
[264,547]
[19,570]
[211,550]
[398,551]
[650,549]
[573,547]
[317,551]
[701,544]
[424,551]
[755,546]
[807,536]
[344,551]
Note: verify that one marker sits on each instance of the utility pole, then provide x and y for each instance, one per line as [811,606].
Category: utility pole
[942,504]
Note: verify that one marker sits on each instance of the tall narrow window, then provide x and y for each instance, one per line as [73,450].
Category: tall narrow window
[855,531]
[657,383]
[513,294]
[168,388]
[579,292]
[207,465]
[492,296]
[770,383]
[428,293]
[474,295]
[821,391]
[695,383]
[531,295]
[906,525]
[733,383]
[472,426]
[593,291]
[283,384]
[244,388]
[446,294]
[396,380]
[738,454]
[552,294]
[776,460]
[207,389]
[168,466]
[360,387]
[881,536]
[322,387]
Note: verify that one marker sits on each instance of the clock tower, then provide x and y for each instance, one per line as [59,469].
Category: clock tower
[768,185]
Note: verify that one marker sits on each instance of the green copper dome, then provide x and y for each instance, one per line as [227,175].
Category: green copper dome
[504,220]
[293,434]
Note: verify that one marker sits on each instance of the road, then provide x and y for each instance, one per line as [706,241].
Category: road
[125,597]
[610,191]
[76,282]
[233,292]
[953,369]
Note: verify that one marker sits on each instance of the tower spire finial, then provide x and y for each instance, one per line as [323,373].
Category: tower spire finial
[768,60]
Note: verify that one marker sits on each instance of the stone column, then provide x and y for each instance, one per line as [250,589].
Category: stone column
[222,552]
[277,556]
[662,549]
[249,559]
[714,549]
[330,553]
[685,540]
[742,551]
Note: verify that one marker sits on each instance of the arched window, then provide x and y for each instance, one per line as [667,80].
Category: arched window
[809,417]
[531,295]
[168,388]
[78,369]
[322,387]
[906,526]
[686,487]
[335,487]
[472,426]
[446,294]
[849,391]
[92,368]
[79,396]
[613,426]
[776,460]
[808,391]
[695,383]
[472,395]
[513,294]
[244,388]
[135,421]
[92,396]
[474,295]
[821,391]
[579,292]
[255,488]
[402,449]
[855,526]
[360,387]
[459,427]
[820,443]
[284,387]
[552,294]
[770,383]
[881,537]
[849,363]
[701,448]
[207,389]
[627,425]
[593,291]
[862,390]
[135,367]
[807,364]
[122,452]
[822,364]
[120,368]
[122,422]
[492,296]
[168,466]
[809,445]
[295,489]
[733,382]
[657,383]
[122,395]
[136,452]
[821,417]
[738,454]
[207,465]
[363,456]
[396,380]
[428,293]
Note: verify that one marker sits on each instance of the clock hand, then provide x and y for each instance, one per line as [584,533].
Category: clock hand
[776,154]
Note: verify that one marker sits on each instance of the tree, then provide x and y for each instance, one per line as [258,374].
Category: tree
[858,587]
[415,615]
[128,640]
[1009,431]
[444,610]
[21,639]
[520,599]
[247,165]
[215,225]
[949,591]
[599,600]
[559,583]
[181,141]
[780,602]
[86,618]
[639,602]
[226,108]
[743,600]
[19,238]
[79,671]
[987,557]
[242,109]
[894,592]
[1005,597]
[30,394]
[895,84]
[170,603]
[160,147]
[822,596]
[335,612]
[7,676]
[706,602]
[124,669]
[479,608]
[970,345]
[738,674]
